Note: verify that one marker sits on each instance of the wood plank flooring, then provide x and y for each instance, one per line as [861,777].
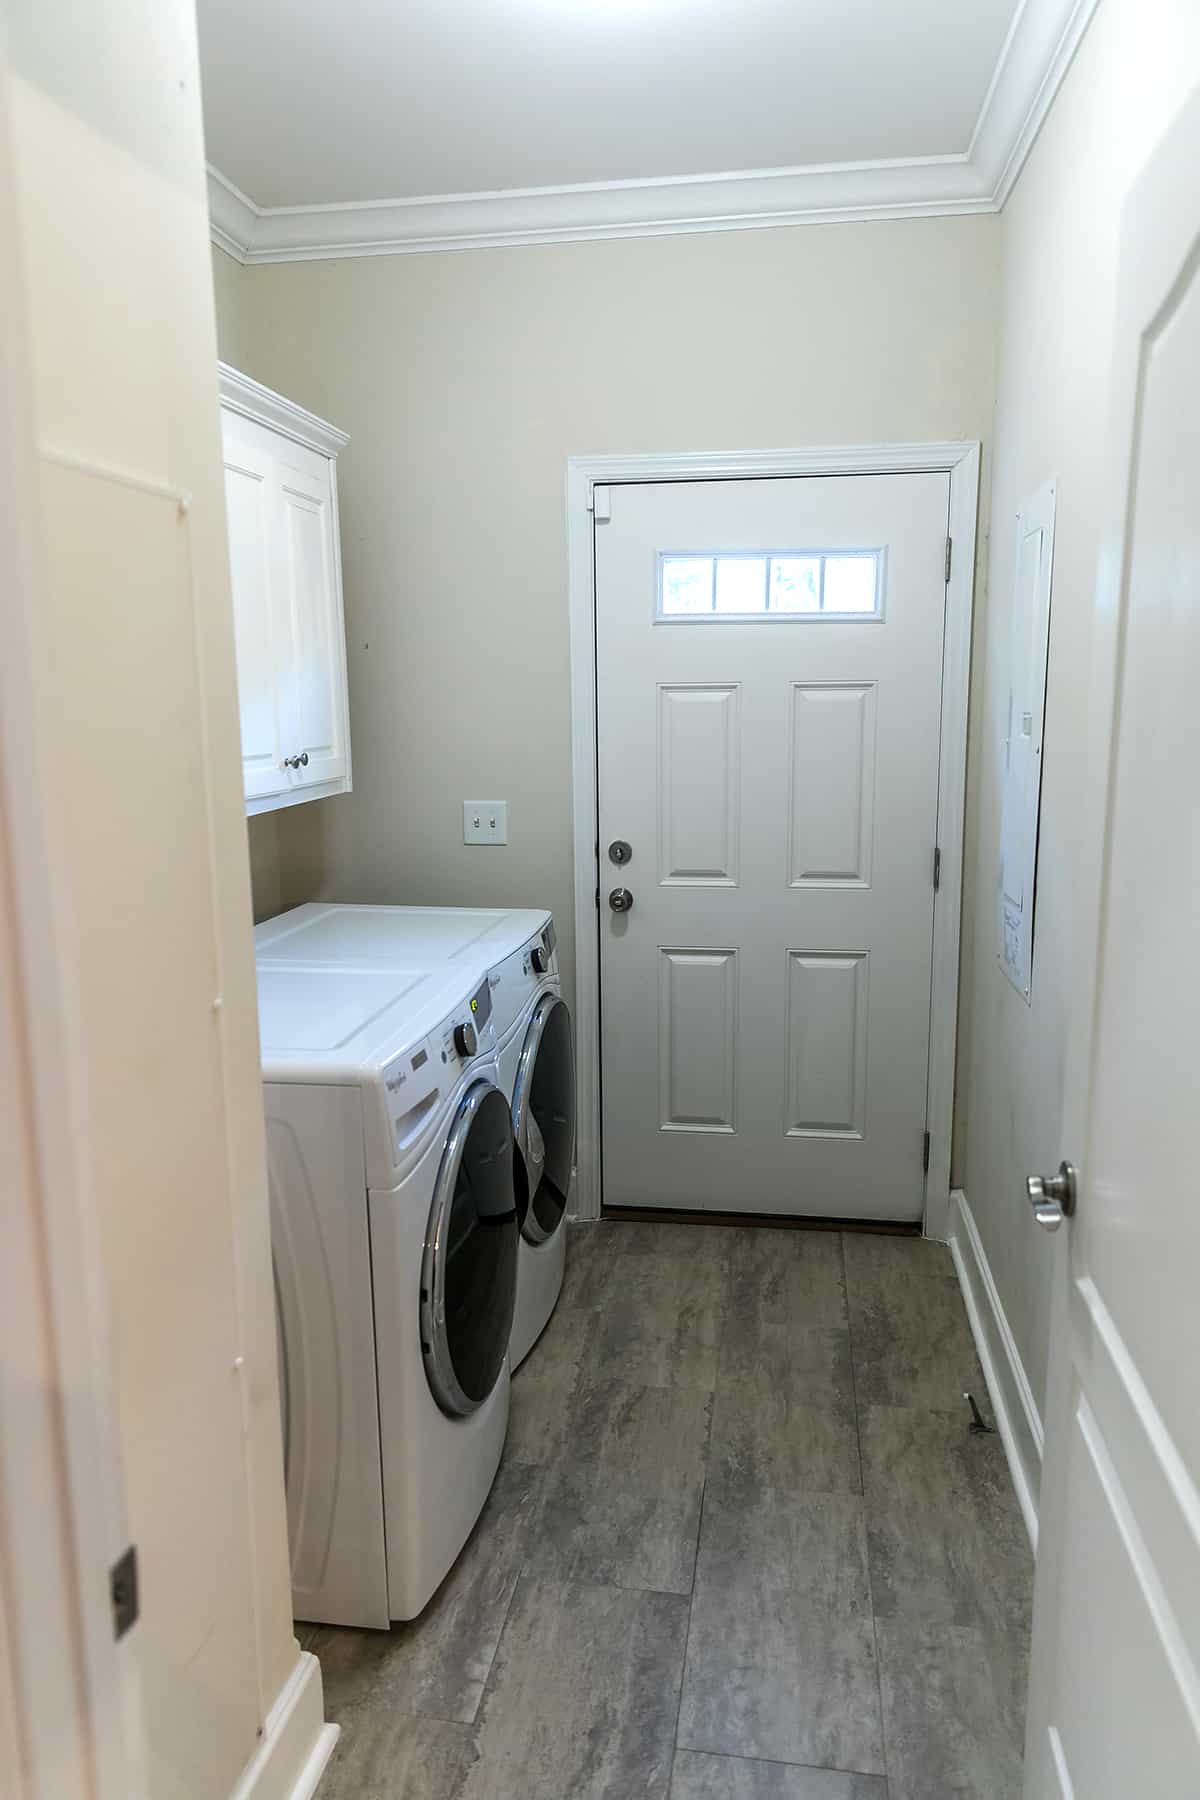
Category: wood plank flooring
[741,1547]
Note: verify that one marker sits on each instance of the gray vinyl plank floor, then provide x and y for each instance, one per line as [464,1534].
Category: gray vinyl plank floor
[741,1547]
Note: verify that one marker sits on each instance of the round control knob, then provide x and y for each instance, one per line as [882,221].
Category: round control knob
[620,900]
[466,1041]
[540,960]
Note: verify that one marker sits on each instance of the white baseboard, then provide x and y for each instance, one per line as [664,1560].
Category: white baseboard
[296,1742]
[1017,1416]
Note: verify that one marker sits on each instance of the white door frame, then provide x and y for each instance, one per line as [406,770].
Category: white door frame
[587,473]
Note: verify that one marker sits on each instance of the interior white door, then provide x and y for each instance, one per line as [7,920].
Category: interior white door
[1115,1690]
[769,674]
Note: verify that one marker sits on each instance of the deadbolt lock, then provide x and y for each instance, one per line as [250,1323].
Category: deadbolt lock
[619,851]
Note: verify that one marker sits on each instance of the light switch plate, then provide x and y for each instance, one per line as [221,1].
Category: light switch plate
[485,821]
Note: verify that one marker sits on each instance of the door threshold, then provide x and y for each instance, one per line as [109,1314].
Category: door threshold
[645,1215]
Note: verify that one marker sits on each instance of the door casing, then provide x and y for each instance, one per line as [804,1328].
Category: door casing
[586,475]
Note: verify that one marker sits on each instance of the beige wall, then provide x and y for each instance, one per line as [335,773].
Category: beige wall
[146,802]
[1060,233]
[465,381]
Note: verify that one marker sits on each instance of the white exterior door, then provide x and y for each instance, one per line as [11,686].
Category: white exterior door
[1114,1707]
[769,678]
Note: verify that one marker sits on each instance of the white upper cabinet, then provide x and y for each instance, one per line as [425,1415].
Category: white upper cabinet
[281,501]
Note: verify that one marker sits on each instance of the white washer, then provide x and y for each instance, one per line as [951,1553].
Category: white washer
[533,1039]
[394,1227]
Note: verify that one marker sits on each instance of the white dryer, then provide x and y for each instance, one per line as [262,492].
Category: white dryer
[517,951]
[394,1228]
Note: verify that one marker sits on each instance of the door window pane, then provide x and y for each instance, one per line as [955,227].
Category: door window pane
[687,585]
[741,584]
[850,584]
[765,584]
[795,584]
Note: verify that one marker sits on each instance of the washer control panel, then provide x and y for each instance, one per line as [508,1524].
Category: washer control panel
[415,1081]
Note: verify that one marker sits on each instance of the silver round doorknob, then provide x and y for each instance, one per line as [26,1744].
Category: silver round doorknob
[621,900]
[1052,1197]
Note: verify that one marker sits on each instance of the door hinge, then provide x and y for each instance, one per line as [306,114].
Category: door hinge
[123,1591]
[949,555]
[937,869]
[925,1153]
[601,505]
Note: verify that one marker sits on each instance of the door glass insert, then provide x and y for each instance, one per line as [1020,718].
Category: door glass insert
[770,584]
[686,585]
[795,584]
[741,584]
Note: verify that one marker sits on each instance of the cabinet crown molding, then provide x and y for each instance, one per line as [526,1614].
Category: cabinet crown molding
[242,394]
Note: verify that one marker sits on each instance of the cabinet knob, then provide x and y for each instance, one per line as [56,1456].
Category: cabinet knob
[296,762]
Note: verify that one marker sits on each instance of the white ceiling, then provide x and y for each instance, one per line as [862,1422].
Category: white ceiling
[310,101]
[368,114]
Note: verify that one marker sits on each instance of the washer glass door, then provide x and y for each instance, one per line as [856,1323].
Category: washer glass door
[469,1269]
[544,1115]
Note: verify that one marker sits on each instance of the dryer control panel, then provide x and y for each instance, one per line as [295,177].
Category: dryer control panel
[514,981]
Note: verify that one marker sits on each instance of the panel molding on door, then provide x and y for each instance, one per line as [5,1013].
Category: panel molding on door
[697,1040]
[699,798]
[827,1043]
[832,820]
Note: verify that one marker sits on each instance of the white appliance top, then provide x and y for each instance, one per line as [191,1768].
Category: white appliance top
[380,937]
[329,1023]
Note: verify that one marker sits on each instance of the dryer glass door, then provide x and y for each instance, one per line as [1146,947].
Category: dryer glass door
[544,1115]
[469,1269]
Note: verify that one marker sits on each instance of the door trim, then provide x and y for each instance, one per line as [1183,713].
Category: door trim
[959,460]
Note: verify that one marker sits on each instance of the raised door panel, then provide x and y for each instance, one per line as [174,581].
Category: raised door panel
[260,633]
[697,1052]
[827,1043]
[317,676]
[832,821]
[698,797]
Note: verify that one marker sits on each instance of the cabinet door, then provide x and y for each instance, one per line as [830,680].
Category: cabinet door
[307,523]
[261,626]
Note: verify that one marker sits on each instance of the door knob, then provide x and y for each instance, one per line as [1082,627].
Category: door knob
[621,900]
[1052,1197]
[296,762]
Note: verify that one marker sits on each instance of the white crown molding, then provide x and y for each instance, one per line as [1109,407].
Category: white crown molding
[242,394]
[613,209]
[232,216]
[1038,51]
[1036,55]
